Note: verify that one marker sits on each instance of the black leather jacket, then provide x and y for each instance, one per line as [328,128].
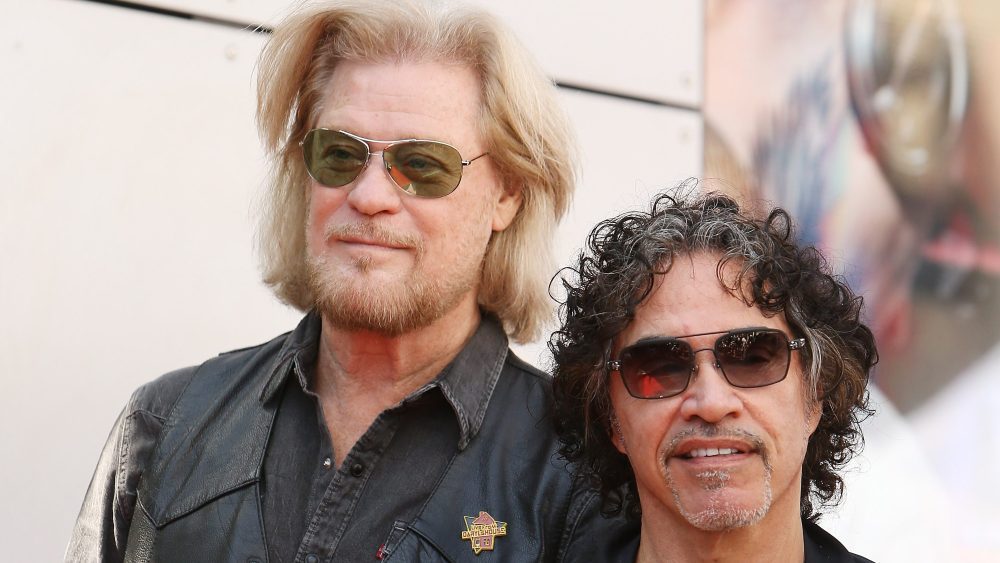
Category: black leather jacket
[179,477]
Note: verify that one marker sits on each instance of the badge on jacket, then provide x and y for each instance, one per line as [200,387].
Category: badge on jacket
[483,531]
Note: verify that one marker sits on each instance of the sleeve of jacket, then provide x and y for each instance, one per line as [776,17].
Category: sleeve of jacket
[102,526]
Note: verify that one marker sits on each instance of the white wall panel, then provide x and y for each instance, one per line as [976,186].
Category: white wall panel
[128,170]
[250,12]
[645,48]
[630,151]
[127,167]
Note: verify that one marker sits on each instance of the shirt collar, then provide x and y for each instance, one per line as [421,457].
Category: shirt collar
[469,380]
[467,383]
[299,345]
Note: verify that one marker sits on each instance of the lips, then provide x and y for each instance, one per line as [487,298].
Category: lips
[709,443]
[384,243]
[371,234]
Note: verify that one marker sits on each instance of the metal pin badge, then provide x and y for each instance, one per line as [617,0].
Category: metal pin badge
[482,531]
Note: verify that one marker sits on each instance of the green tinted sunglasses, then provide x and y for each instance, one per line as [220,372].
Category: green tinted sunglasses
[419,167]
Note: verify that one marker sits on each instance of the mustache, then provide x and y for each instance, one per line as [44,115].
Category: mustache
[373,232]
[706,430]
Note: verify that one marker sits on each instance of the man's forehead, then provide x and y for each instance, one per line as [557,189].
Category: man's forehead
[422,98]
[689,299]
[394,76]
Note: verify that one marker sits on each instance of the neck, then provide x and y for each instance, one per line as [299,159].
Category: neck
[778,537]
[360,374]
[370,364]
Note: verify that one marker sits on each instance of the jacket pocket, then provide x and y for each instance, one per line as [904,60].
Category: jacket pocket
[224,530]
[406,544]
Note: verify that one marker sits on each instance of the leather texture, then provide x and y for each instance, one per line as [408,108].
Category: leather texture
[179,477]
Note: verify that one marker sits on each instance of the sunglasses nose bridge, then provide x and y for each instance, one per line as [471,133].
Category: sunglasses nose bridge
[715,358]
[386,165]
[696,365]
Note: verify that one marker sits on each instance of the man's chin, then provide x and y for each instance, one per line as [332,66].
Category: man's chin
[369,296]
[716,500]
[377,303]
[377,309]
[720,513]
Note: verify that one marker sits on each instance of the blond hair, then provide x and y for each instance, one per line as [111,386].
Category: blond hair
[522,126]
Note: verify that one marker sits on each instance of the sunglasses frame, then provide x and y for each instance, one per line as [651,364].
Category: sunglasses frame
[793,344]
[385,164]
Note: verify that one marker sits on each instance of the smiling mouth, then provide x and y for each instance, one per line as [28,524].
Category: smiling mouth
[706,444]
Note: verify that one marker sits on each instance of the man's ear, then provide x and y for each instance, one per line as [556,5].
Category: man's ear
[507,206]
[617,437]
[814,411]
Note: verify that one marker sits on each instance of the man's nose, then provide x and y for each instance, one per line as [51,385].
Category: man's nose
[709,396]
[373,191]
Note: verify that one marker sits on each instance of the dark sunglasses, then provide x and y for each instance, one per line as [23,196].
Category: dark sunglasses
[421,168]
[748,357]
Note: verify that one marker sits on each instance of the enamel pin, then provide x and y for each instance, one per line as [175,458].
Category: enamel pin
[483,531]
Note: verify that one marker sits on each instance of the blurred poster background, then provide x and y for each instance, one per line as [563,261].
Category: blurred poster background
[876,123]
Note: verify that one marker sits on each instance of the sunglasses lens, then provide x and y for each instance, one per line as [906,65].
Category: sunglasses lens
[333,158]
[753,358]
[655,370]
[424,168]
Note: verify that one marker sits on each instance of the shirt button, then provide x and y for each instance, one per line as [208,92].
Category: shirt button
[311,558]
[357,469]
[327,463]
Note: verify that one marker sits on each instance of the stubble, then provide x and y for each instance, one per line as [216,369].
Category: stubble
[347,298]
[721,513]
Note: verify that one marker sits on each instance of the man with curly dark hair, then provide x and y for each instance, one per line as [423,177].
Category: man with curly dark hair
[710,380]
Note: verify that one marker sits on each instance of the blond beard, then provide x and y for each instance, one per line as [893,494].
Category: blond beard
[349,301]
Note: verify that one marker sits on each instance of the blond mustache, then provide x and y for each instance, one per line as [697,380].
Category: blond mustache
[375,233]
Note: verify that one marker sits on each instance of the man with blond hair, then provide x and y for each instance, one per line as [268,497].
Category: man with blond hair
[420,166]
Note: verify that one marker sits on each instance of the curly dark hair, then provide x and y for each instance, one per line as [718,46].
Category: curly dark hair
[615,274]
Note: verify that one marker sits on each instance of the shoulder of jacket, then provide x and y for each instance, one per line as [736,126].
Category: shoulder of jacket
[277,340]
[158,396]
[525,368]
[523,386]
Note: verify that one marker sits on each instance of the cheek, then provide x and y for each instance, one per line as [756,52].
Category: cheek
[461,227]
[797,429]
[323,202]
[644,424]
